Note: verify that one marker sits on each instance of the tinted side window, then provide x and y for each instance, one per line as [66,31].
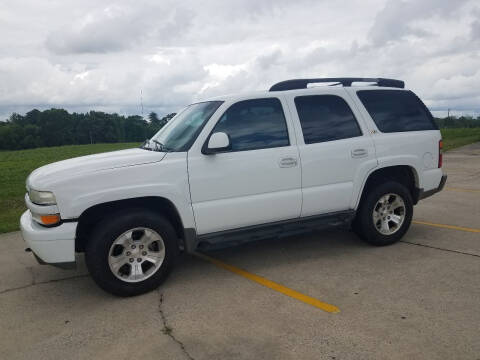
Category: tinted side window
[396,110]
[325,118]
[255,124]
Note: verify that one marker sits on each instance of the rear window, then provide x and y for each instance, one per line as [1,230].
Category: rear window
[396,110]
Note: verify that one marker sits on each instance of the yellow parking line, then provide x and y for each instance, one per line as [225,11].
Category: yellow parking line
[272,285]
[453,227]
[462,190]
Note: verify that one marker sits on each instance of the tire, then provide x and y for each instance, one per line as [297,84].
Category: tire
[137,234]
[381,203]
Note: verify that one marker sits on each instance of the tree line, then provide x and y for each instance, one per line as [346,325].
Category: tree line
[55,127]
[458,122]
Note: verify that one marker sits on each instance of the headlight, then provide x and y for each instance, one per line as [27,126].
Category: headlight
[42,197]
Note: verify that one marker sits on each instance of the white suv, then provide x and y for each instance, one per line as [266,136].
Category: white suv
[238,168]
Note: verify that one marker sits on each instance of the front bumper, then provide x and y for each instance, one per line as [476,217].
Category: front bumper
[51,245]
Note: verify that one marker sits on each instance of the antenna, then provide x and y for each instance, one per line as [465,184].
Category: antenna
[141,100]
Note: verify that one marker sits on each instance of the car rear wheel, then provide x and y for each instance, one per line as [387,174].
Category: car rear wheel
[131,252]
[385,214]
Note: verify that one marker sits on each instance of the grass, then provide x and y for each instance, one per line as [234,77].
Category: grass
[16,165]
[453,138]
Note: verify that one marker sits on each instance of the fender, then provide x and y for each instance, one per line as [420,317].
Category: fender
[167,179]
[385,162]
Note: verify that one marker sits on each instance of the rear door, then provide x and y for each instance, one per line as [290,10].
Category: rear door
[335,148]
[259,180]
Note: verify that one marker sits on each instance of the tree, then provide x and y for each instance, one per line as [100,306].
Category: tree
[167,118]
[153,118]
[156,124]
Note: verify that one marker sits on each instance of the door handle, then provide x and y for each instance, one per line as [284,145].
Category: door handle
[287,162]
[359,153]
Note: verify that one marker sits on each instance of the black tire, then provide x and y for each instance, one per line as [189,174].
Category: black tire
[364,225]
[105,233]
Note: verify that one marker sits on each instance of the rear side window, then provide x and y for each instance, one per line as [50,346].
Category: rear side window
[325,118]
[396,110]
[254,124]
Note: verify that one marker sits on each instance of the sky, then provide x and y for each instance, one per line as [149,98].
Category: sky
[114,55]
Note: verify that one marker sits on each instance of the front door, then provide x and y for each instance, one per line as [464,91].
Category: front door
[258,180]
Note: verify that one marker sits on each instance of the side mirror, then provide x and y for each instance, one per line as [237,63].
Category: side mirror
[218,142]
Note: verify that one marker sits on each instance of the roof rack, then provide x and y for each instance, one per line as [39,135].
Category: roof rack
[302,83]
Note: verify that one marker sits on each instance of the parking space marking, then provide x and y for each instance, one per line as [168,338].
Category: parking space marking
[272,285]
[462,190]
[452,227]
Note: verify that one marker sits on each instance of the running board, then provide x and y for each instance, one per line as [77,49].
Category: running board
[286,228]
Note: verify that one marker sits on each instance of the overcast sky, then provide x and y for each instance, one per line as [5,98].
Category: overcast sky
[83,55]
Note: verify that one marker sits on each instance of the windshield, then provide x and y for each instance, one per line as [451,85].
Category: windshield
[180,132]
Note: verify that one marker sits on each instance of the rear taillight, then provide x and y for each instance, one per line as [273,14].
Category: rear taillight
[440,155]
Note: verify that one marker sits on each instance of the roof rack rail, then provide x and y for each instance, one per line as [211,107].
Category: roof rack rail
[303,83]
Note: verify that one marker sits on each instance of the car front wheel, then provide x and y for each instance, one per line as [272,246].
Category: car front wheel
[131,252]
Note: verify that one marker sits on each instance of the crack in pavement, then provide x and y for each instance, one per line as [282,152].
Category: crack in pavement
[34,283]
[167,330]
[32,273]
[439,248]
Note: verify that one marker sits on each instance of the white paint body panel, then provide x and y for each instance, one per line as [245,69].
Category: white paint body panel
[52,245]
[81,183]
[156,174]
[50,175]
[403,148]
[329,171]
[237,189]
[232,190]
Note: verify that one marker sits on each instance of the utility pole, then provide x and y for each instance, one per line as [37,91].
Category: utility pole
[141,100]
[92,113]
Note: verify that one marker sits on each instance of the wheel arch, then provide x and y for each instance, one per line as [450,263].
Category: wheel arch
[404,174]
[93,215]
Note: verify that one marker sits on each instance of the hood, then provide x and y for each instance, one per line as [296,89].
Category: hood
[65,169]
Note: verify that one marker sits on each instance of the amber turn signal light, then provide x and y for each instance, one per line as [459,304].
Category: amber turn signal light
[50,219]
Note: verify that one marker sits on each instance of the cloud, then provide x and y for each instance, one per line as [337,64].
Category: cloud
[88,55]
[118,27]
[475,31]
[400,19]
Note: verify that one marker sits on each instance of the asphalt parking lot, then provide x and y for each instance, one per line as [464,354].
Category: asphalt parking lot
[341,299]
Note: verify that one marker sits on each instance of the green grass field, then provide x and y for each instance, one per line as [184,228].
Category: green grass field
[16,165]
[453,138]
